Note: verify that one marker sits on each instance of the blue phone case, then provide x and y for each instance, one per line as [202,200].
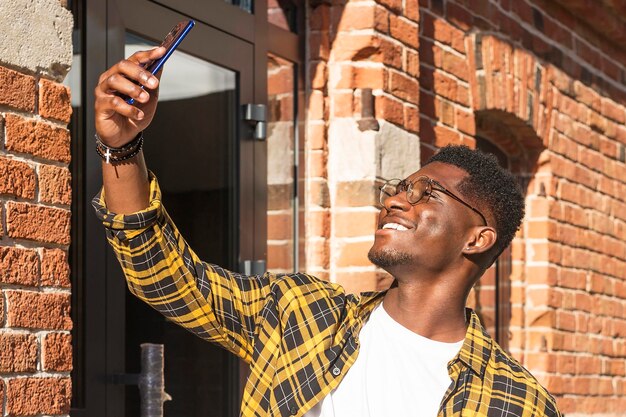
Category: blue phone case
[156,66]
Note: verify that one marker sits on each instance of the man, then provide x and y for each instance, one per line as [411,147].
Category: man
[313,350]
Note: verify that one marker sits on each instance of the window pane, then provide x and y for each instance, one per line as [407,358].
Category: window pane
[282,152]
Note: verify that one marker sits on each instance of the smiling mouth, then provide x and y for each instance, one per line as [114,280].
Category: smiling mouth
[394,226]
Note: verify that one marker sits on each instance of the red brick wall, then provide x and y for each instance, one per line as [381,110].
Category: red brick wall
[545,86]
[35,194]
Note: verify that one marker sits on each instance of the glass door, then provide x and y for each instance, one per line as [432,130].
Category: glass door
[202,154]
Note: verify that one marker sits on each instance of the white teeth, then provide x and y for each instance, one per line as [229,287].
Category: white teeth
[394,226]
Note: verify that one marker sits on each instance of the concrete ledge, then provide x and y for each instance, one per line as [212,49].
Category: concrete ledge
[37,37]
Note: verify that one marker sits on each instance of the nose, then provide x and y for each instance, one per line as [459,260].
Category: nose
[397,202]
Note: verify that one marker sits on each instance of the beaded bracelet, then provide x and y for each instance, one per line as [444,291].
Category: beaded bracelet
[111,154]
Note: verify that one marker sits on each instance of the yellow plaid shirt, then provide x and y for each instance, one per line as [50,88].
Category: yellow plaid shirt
[299,334]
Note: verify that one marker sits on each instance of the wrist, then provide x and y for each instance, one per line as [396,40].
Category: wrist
[112,154]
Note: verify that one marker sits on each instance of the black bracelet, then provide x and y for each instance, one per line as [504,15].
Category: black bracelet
[109,153]
[110,158]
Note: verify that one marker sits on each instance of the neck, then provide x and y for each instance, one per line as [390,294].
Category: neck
[432,309]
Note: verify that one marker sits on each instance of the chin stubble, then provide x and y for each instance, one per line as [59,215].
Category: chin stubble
[385,258]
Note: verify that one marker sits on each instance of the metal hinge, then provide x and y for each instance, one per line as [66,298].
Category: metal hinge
[256,116]
[249,267]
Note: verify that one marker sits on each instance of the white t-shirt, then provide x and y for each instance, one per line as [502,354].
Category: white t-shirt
[397,373]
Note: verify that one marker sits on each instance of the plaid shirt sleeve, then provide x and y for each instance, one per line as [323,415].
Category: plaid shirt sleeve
[161,269]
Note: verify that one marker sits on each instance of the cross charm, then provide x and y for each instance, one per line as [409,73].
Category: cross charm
[107,154]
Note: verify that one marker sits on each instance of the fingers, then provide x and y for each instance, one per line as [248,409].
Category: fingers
[132,70]
[109,105]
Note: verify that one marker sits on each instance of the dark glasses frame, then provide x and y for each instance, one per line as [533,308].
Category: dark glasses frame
[396,186]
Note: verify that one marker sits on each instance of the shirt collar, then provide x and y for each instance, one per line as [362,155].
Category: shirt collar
[476,349]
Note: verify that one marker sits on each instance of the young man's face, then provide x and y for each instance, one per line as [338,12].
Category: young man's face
[436,226]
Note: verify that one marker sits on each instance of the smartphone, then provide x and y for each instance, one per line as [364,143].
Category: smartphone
[170,43]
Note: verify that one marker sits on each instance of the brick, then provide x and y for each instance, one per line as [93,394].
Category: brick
[18,90]
[280,257]
[353,254]
[356,47]
[18,352]
[404,30]
[362,77]
[393,5]
[318,254]
[319,44]
[389,109]
[411,63]
[411,10]
[319,75]
[279,196]
[355,223]
[411,118]
[446,136]
[55,185]
[43,224]
[445,86]
[381,19]
[318,193]
[54,101]
[342,104]
[280,78]
[17,178]
[406,88]
[465,122]
[356,194]
[37,310]
[316,135]
[318,223]
[37,138]
[316,107]
[444,111]
[55,268]
[317,164]
[19,266]
[455,65]
[390,53]
[356,16]
[31,396]
[57,352]
[319,18]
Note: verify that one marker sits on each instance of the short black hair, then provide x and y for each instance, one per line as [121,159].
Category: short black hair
[490,187]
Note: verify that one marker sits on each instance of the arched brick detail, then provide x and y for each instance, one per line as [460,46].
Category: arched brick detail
[511,98]
[512,81]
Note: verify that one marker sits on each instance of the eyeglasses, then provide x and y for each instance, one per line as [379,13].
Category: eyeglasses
[420,188]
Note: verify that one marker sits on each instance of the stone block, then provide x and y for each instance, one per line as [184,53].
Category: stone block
[40,36]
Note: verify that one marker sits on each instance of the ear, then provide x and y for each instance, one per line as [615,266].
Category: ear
[480,240]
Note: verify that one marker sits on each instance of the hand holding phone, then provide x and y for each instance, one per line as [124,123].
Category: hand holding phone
[170,43]
[127,93]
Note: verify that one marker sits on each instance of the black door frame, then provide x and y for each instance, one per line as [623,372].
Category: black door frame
[103,289]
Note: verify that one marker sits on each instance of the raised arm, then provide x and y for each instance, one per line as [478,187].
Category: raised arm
[160,268]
